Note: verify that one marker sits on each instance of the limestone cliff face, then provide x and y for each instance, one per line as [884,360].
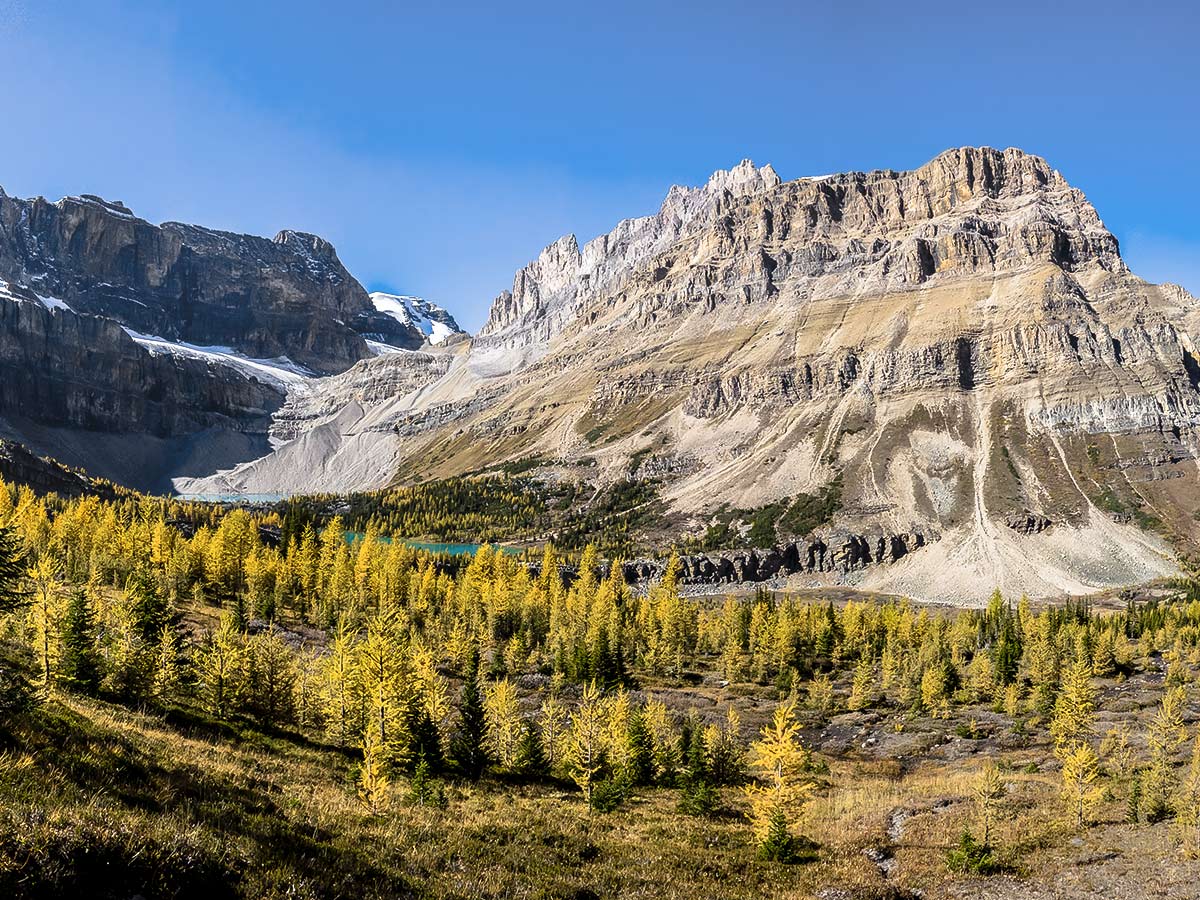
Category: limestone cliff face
[289,296]
[119,338]
[86,372]
[961,343]
[976,271]
[550,292]
[746,233]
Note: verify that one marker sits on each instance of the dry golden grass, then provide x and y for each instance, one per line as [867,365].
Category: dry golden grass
[266,815]
[118,802]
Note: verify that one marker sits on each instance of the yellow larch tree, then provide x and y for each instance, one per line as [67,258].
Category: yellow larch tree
[1080,791]
[585,750]
[781,788]
[502,716]
[45,615]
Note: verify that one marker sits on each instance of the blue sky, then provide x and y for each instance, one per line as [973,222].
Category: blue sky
[441,146]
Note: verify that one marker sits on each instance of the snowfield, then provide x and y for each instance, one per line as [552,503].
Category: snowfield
[414,311]
[381,349]
[51,303]
[280,372]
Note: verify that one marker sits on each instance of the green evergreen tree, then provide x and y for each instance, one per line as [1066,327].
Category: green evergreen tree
[148,608]
[600,667]
[698,796]
[237,607]
[777,843]
[531,754]
[426,739]
[641,750]
[79,660]
[1007,651]
[423,788]
[469,752]
[15,690]
[13,594]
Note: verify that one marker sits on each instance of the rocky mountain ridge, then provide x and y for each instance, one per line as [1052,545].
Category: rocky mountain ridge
[144,352]
[44,476]
[962,344]
[289,296]
[548,293]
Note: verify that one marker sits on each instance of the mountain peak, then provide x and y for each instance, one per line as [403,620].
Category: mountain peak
[306,243]
[995,172]
[112,207]
[427,317]
[111,204]
[544,290]
[744,178]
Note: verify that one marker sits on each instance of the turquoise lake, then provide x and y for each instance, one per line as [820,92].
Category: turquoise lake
[429,547]
[231,498]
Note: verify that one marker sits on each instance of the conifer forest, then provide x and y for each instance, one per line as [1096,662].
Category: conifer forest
[221,700]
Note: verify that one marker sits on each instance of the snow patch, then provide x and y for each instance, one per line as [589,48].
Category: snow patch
[53,303]
[110,207]
[381,349]
[426,317]
[280,372]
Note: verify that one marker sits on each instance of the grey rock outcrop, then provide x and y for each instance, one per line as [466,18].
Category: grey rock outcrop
[1028,523]
[45,476]
[836,553]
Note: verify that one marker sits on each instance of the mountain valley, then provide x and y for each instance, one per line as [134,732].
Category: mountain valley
[961,347]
